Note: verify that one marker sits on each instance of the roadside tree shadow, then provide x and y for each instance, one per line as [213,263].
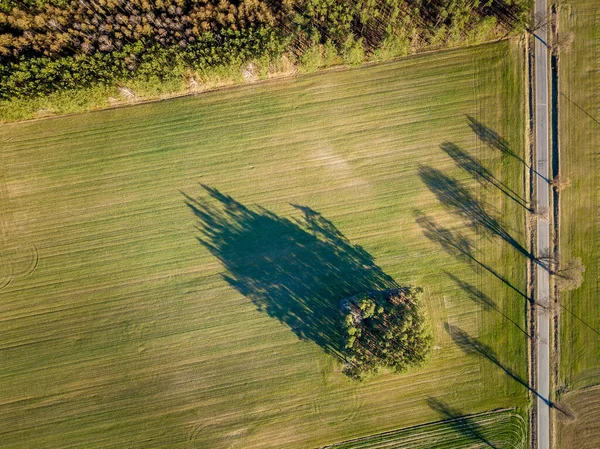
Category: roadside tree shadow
[453,195]
[458,245]
[479,172]
[471,345]
[461,423]
[494,140]
[479,297]
[296,271]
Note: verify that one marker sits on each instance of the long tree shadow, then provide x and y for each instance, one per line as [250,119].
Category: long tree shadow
[457,245]
[494,140]
[455,196]
[296,271]
[479,172]
[479,297]
[471,345]
[461,423]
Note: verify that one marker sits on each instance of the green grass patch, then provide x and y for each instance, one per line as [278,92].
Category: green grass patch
[172,271]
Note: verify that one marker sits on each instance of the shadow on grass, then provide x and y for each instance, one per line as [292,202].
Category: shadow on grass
[459,246]
[455,196]
[590,116]
[462,424]
[471,345]
[479,172]
[479,297]
[494,140]
[296,271]
[579,319]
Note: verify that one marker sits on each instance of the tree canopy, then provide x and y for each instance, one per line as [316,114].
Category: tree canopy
[49,45]
[384,330]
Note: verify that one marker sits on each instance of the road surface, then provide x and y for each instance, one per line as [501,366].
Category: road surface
[543,230]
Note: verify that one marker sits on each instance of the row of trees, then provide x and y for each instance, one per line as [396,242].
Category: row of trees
[35,34]
[384,329]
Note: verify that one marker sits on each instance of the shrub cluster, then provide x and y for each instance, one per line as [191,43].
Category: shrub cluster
[384,329]
[48,45]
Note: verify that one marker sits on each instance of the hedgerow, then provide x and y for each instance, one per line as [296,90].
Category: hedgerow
[53,45]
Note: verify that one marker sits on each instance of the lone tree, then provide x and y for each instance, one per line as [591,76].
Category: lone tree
[570,275]
[384,329]
[558,183]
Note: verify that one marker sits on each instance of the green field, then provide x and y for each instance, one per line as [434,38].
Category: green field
[579,113]
[495,429]
[580,226]
[172,271]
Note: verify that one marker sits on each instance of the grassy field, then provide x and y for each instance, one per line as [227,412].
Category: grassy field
[580,431]
[494,429]
[580,227]
[579,103]
[171,272]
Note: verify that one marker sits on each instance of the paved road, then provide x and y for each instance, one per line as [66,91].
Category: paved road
[543,229]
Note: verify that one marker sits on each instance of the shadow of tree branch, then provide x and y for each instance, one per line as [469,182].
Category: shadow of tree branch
[458,246]
[479,172]
[494,140]
[476,295]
